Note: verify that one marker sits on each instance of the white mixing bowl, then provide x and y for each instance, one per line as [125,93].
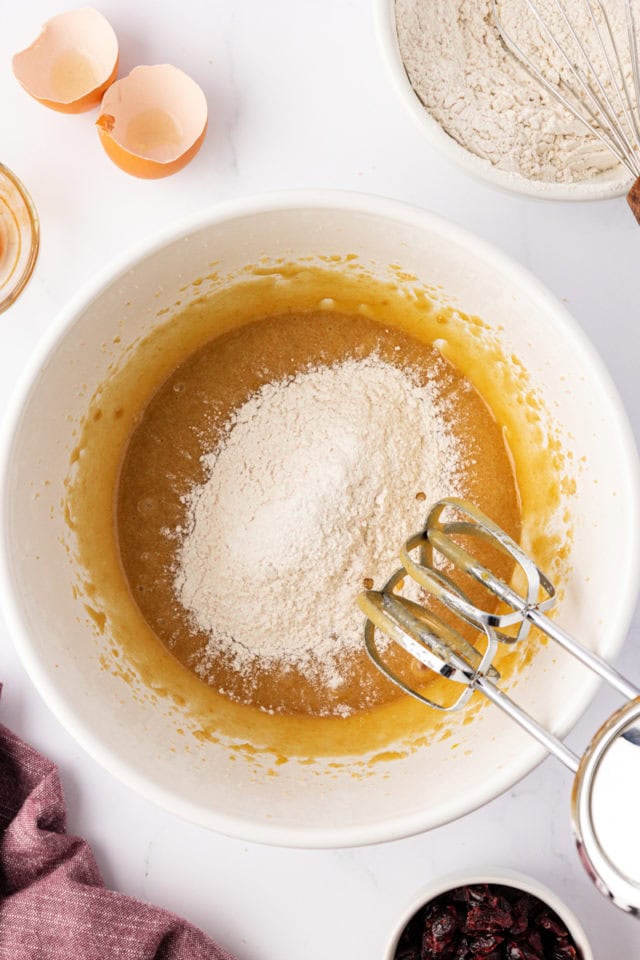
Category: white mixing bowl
[136,739]
[612,183]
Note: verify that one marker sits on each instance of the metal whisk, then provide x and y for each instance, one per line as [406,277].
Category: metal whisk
[606,789]
[608,104]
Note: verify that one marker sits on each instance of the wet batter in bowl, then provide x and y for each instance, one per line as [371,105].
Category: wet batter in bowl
[272,476]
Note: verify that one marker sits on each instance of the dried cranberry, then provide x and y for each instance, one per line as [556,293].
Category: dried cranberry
[441,924]
[490,919]
[442,919]
[485,944]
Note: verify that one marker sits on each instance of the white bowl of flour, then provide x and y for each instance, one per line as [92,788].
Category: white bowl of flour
[482,109]
[143,737]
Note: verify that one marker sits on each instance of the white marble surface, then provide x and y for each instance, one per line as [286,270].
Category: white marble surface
[298,97]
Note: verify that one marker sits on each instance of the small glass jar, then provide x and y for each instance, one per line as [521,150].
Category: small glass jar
[19,237]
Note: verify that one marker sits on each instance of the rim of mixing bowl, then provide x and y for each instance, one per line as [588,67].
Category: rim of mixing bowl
[74,720]
[603,187]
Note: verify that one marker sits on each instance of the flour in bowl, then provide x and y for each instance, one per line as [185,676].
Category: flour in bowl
[486,100]
[316,483]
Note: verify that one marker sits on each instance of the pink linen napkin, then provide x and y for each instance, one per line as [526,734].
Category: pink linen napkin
[53,904]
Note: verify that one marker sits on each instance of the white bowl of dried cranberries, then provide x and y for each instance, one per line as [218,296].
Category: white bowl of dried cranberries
[493,915]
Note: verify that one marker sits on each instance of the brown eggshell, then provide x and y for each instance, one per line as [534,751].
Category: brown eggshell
[153,122]
[71,64]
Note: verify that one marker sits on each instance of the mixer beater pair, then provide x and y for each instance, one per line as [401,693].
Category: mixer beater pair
[606,787]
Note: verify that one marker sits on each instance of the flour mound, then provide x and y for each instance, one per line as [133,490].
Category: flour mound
[311,491]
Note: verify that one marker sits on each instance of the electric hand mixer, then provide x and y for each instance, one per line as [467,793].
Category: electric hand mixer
[606,788]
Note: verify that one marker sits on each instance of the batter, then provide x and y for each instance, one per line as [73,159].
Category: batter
[184,421]
[164,403]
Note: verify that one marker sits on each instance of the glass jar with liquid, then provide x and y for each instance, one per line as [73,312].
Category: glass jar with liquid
[19,237]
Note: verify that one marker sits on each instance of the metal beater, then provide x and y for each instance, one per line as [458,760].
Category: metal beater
[606,787]
[609,104]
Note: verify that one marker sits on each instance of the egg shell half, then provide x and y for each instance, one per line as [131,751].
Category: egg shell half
[153,122]
[71,64]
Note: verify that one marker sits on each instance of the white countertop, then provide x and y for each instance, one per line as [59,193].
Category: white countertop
[298,98]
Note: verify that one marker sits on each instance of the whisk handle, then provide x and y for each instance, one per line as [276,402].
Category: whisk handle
[633,199]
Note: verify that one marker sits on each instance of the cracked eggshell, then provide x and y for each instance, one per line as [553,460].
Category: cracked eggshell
[153,122]
[73,61]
